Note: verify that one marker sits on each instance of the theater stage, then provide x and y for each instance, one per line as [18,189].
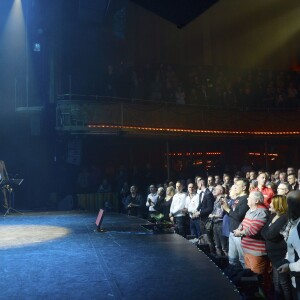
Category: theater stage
[59,255]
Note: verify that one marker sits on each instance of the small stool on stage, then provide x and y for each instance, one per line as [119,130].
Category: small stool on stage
[9,185]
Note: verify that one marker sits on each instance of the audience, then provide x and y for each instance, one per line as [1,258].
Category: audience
[243,232]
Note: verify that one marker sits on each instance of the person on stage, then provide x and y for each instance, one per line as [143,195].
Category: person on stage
[3,193]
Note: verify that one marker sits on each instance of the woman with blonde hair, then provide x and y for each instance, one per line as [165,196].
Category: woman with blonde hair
[170,192]
[276,245]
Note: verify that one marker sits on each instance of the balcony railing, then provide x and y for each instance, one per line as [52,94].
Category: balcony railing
[96,114]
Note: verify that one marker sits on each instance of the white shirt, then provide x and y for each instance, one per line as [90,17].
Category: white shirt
[192,204]
[153,198]
[178,204]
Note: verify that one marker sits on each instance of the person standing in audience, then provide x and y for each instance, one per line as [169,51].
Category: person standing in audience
[276,246]
[218,179]
[292,180]
[205,207]
[290,170]
[160,200]
[151,200]
[261,187]
[226,181]
[292,237]
[253,176]
[210,183]
[134,203]
[276,177]
[253,245]
[191,204]
[170,192]
[226,221]
[177,212]
[236,214]
[283,189]
[219,239]
[282,177]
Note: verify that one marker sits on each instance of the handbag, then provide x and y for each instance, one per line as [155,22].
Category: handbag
[209,224]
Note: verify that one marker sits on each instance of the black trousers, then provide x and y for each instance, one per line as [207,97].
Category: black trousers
[180,225]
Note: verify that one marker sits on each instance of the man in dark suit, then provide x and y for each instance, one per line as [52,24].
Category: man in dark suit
[205,207]
[292,180]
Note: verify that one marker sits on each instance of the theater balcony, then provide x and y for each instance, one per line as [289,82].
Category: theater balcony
[77,114]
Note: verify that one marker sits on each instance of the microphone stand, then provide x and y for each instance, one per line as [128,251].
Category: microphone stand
[11,200]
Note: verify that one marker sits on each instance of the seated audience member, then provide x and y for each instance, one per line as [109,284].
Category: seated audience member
[292,237]
[134,203]
[177,213]
[276,246]
[253,245]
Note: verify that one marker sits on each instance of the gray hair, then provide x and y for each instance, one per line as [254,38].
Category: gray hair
[286,185]
[259,197]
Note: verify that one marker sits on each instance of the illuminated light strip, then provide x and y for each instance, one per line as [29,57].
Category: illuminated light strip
[189,154]
[195,130]
[263,154]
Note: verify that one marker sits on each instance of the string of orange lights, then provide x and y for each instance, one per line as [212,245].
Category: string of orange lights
[194,131]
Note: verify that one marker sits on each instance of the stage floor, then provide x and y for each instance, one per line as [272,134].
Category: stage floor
[59,255]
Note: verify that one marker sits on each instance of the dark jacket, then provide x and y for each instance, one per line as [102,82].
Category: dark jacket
[275,243]
[206,206]
[236,216]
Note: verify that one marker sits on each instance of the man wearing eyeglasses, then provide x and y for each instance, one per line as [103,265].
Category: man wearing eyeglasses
[283,189]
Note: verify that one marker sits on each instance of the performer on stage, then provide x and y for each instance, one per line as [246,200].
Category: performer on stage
[3,193]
